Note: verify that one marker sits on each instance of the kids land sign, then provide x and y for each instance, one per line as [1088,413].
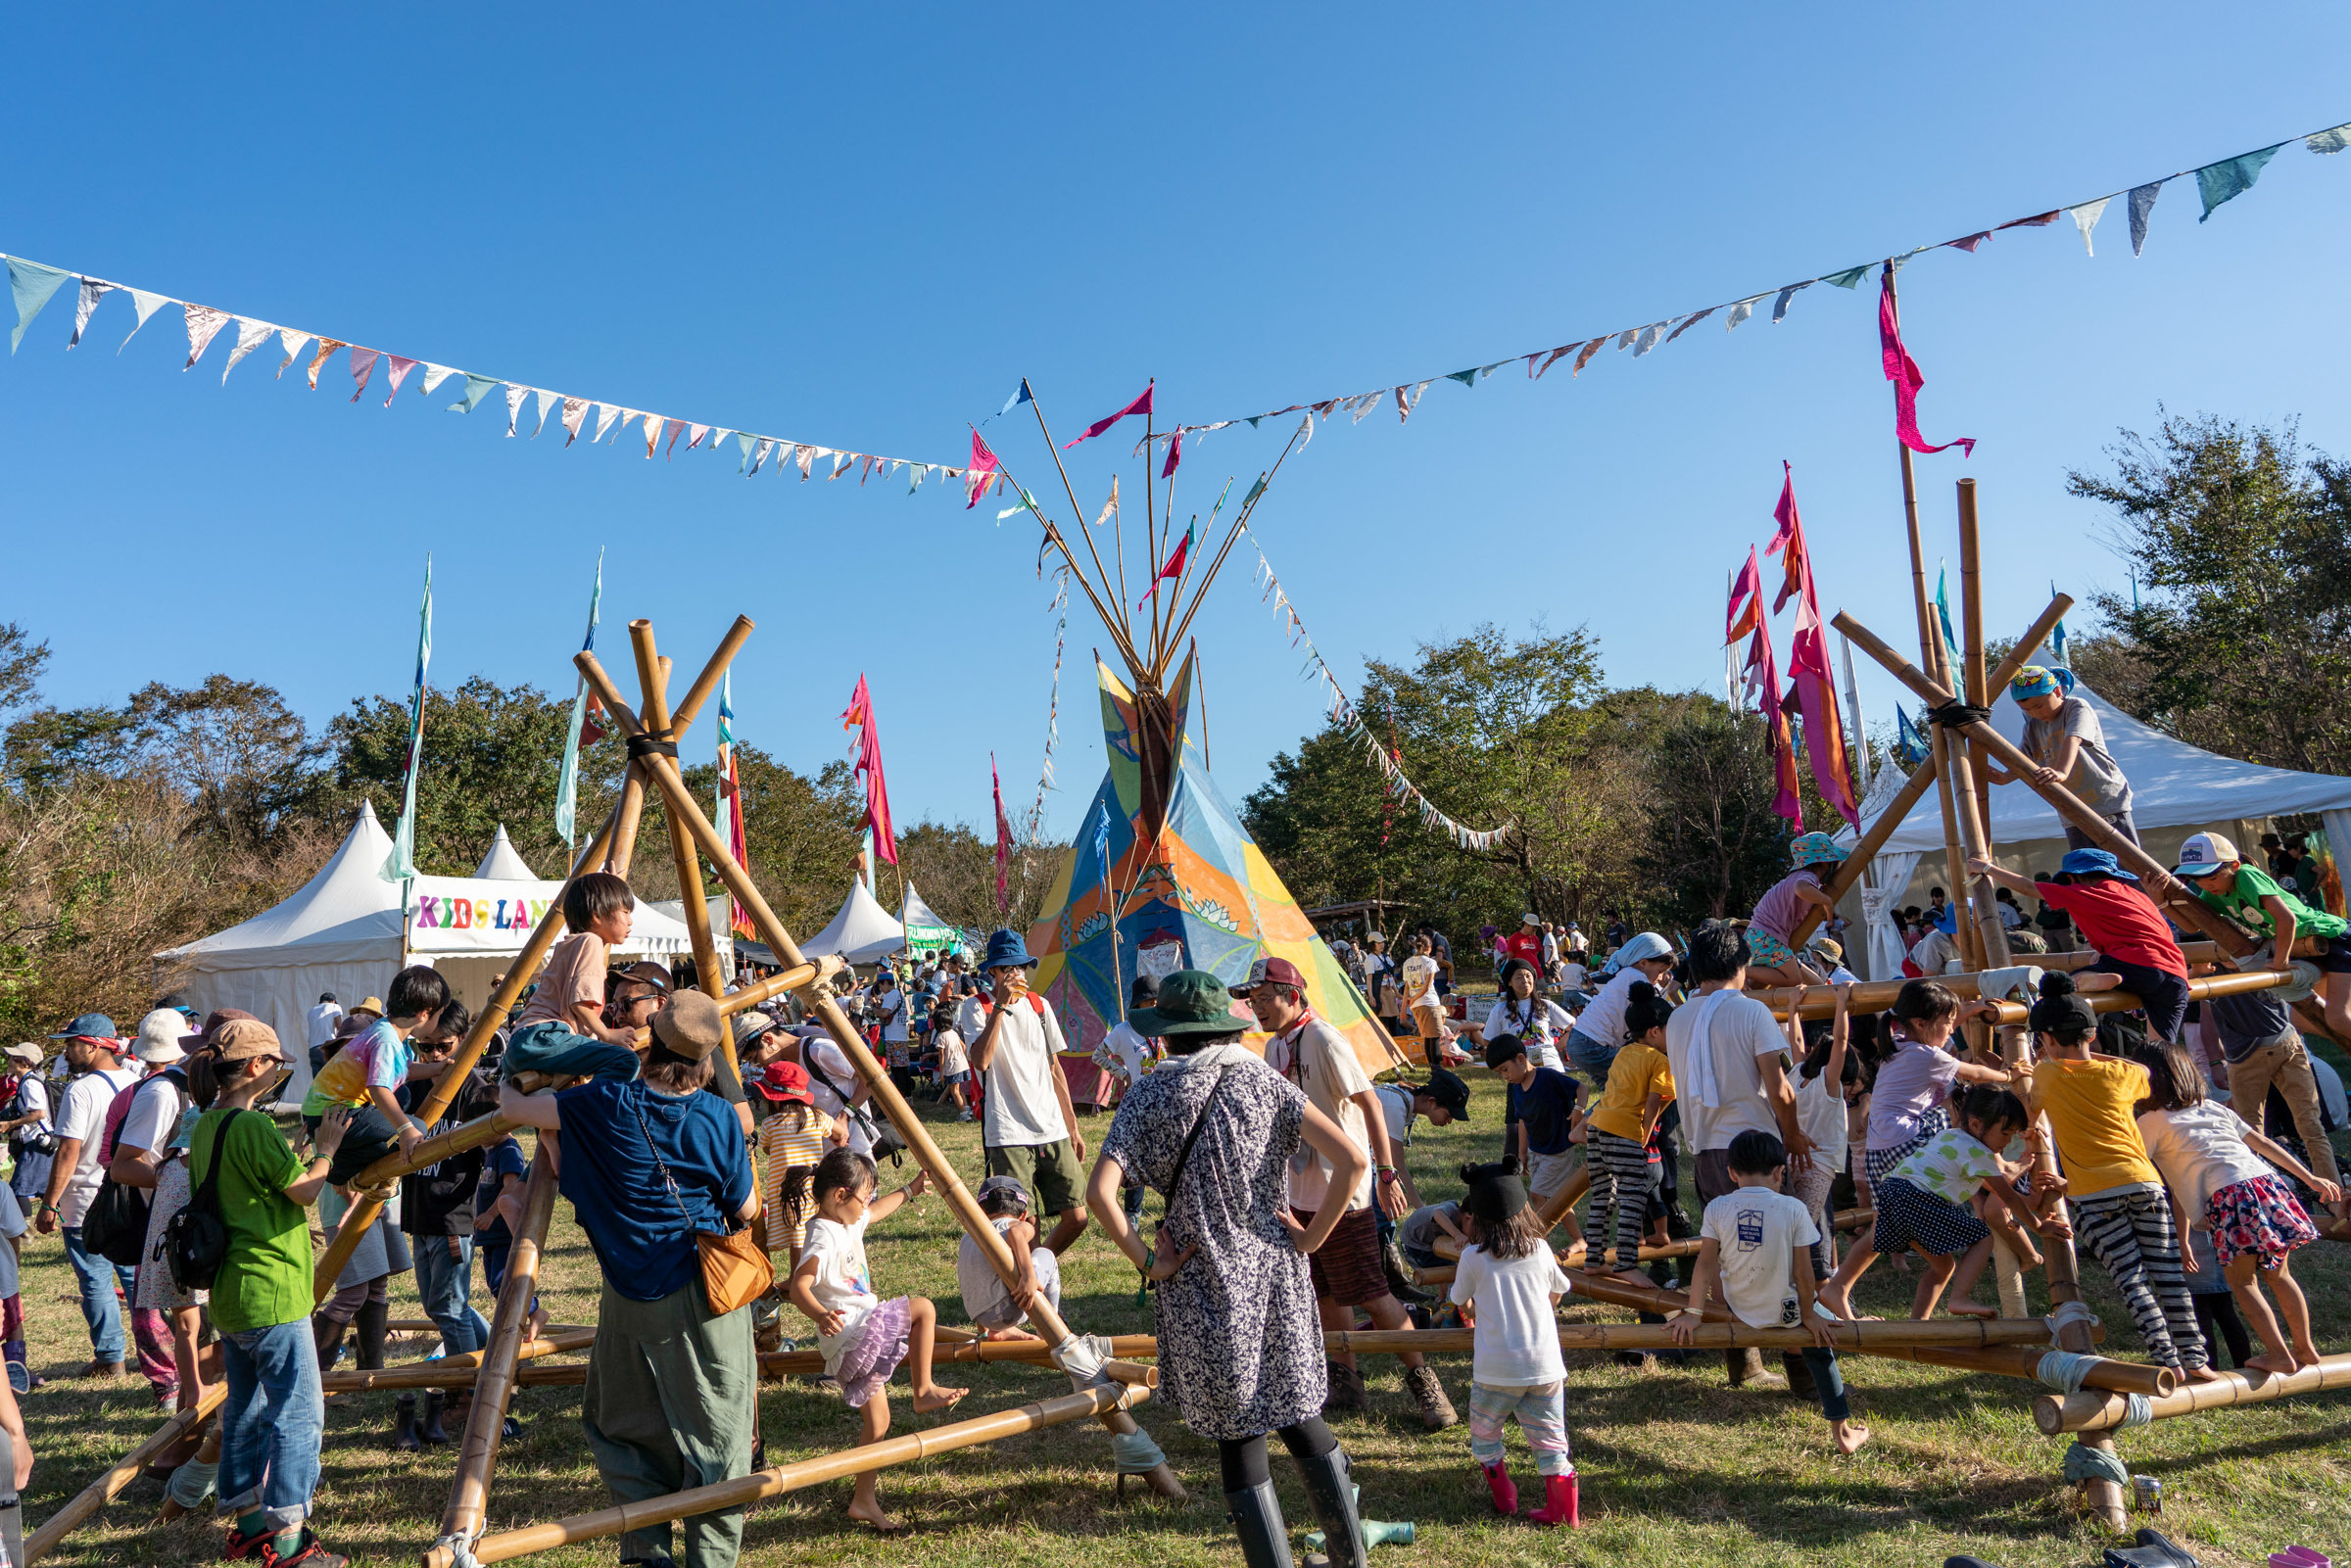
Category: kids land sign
[461,915]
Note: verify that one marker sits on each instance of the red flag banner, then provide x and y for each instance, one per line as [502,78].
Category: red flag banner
[1142,404]
[1813,686]
[1745,613]
[983,467]
[1903,373]
[1003,838]
[859,716]
[1764,685]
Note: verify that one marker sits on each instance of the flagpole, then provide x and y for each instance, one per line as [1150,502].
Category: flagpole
[1151,528]
[1036,408]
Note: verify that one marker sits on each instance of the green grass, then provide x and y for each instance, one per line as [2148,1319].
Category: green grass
[1676,1466]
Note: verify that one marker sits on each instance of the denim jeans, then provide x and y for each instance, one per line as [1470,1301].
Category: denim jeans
[1828,1382]
[270,1423]
[443,1283]
[1589,1059]
[551,1048]
[99,1308]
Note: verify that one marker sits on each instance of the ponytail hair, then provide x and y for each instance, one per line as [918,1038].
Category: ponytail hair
[1647,1009]
[204,1079]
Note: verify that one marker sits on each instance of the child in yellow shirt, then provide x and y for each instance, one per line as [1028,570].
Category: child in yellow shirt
[1616,1133]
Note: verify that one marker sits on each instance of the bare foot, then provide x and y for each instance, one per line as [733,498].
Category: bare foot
[938,1397]
[998,1336]
[876,1518]
[2279,1361]
[1838,1301]
[1972,1309]
[2203,1374]
[538,1324]
[1849,1435]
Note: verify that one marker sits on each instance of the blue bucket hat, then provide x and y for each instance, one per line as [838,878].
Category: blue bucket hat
[1007,951]
[2095,860]
[90,1025]
[2033,680]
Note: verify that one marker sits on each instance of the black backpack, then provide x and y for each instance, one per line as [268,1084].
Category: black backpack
[116,1226]
[196,1242]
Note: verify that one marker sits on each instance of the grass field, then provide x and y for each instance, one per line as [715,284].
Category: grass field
[1676,1467]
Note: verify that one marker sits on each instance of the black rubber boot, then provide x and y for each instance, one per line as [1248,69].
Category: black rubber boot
[326,1338]
[1256,1520]
[368,1331]
[404,1427]
[1331,1483]
[430,1430]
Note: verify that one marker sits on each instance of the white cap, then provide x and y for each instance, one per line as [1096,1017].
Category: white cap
[159,1035]
[1530,919]
[2205,853]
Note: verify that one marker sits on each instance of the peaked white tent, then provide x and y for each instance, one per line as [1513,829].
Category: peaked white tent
[2176,789]
[925,930]
[863,932]
[503,863]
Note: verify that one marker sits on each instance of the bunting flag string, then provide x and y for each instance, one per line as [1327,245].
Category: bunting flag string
[32,283]
[1061,627]
[1343,713]
[2216,182]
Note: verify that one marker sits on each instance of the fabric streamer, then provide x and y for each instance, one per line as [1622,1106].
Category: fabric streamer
[1903,373]
[1142,404]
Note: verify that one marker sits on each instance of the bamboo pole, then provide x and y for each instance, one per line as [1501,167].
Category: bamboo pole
[1971,784]
[652,673]
[434,1374]
[2024,1362]
[103,1490]
[207,1453]
[919,1141]
[1875,996]
[1116,625]
[494,1384]
[744,1491]
[1949,762]
[1231,536]
[2056,1413]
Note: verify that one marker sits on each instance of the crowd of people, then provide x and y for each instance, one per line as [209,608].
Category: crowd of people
[2188,1142]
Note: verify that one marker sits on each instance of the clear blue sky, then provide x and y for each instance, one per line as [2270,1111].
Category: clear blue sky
[860,226]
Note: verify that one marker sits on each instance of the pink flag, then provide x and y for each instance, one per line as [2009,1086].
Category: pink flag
[363,365]
[1142,404]
[1812,684]
[1902,371]
[1763,683]
[1003,838]
[1747,591]
[1174,454]
[859,716]
[399,371]
[976,476]
[1788,542]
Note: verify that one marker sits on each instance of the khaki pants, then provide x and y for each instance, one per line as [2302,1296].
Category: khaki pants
[2285,1062]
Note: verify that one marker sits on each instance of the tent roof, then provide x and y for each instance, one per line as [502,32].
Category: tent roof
[916,915]
[861,934]
[2173,784]
[503,863]
[346,913]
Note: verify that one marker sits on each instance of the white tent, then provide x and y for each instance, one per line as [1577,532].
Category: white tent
[2175,790]
[503,863]
[863,932]
[925,930]
[341,932]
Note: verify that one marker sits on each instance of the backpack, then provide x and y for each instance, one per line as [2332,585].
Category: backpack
[196,1242]
[116,1225]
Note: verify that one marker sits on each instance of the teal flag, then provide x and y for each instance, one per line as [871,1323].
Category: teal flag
[400,863]
[2057,652]
[1848,278]
[567,783]
[1942,614]
[476,389]
[2229,178]
[33,284]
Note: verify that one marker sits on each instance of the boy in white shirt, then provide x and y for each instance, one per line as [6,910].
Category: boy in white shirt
[997,1310]
[1752,1254]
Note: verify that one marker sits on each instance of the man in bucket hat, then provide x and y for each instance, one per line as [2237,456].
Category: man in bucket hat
[1028,1129]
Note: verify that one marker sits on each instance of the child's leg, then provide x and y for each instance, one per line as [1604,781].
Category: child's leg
[1488,1410]
[1970,1269]
[922,1335]
[2111,1224]
[2294,1307]
[1543,1418]
[552,1049]
[1829,1383]
[2278,1354]
[1934,1277]
[2216,1316]
[874,1425]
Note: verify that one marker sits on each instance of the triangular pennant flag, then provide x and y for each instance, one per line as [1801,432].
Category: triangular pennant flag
[694,434]
[652,435]
[293,343]
[1142,404]
[806,457]
[362,368]
[604,417]
[575,409]
[1467,378]
[1363,405]
[326,351]
[1324,408]
[146,304]
[514,401]
[1648,339]
[1018,397]
[1584,359]
[2086,218]
[1624,339]
[1304,435]
[251,335]
[204,324]
[33,284]
[841,462]
[434,375]
[476,389]
[398,370]
[1971,242]
[1848,278]
[547,404]
[2229,178]
[92,291]
[2142,202]
[915,476]
[1549,360]
[1693,321]
[759,457]
[1779,307]
[744,439]
[718,433]
[1740,311]
[2036,221]
[2329,141]
[676,428]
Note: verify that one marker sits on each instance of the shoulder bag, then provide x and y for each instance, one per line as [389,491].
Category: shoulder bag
[881,1136]
[195,1241]
[735,1270]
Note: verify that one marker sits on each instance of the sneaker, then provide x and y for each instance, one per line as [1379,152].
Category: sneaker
[312,1554]
[240,1546]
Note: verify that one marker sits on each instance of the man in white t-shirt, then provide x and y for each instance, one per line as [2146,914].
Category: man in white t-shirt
[28,1121]
[1725,1049]
[1347,1269]
[1028,1129]
[93,1051]
[322,1020]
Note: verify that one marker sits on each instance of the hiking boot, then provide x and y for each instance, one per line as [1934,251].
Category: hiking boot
[312,1554]
[103,1370]
[239,1545]
[1346,1393]
[1436,1411]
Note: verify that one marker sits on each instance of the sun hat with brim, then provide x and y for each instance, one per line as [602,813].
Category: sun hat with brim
[372,1004]
[88,1027]
[2100,862]
[1815,849]
[25,1051]
[163,1037]
[1006,951]
[213,1022]
[1828,948]
[690,1026]
[784,1082]
[749,1026]
[2203,854]
[243,1039]
[1190,1001]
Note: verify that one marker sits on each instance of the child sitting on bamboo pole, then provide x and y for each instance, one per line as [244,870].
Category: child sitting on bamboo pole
[995,1308]
[1783,908]
[1935,1202]
[563,1031]
[863,1338]
[2214,1167]
[2249,895]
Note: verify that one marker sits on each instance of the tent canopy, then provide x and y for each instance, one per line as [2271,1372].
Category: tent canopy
[503,863]
[927,931]
[863,932]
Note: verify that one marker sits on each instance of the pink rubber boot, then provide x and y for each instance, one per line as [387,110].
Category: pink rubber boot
[1559,1502]
[1505,1490]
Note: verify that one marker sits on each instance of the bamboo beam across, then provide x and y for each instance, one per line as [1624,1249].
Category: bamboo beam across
[2020,1361]
[435,1374]
[2056,1415]
[1875,996]
[103,1490]
[744,1491]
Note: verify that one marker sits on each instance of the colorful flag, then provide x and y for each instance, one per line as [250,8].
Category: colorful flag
[1903,373]
[1142,404]
[1814,682]
[1942,618]
[1003,834]
[730,804]
[575,735]
[1170,572]
[1911,742]
[859,716]
[2057,650]
[1102,844]
[1746,590]
[983,467]
[1764,685]
[1176,449]
[400,863]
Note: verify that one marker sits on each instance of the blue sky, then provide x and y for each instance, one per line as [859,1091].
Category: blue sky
[860,226]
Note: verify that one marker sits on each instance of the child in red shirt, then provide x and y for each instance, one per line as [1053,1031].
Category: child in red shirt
[2135,949]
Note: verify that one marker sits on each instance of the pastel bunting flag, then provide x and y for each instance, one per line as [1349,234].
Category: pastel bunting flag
[251,335]
[2142,203]
[575,409]
[547,405]
[607,412]
[1851,277]
[362,368]
[1691,322]
[476,389]
[1971,242]
[435,374]
[396,371]
[2086,218]
[204,324]
[33,284]
[677,428]
[760,452]
[1779,307]
[2229,178]
[2036,221]
[1584,359]
[1649,338]
[1740,311]
[516,397]
[2329,141]
[91,292]
[326,351]
[745,441]
[805,458]
[293,343]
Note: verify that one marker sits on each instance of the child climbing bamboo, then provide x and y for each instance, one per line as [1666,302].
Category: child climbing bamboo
[1932,1201]
[1512,1284]
[1616,1134]
[1782,907]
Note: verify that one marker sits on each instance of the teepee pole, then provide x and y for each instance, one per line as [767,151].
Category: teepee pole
[653,674]
[1060,540]
[493,1383]
[1037,407]
[925,1149]
[1208,578]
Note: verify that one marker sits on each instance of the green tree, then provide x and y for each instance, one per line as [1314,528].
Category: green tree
[1711,844]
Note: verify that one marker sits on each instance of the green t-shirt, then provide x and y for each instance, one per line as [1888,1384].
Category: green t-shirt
[2242,903]
[266,1278]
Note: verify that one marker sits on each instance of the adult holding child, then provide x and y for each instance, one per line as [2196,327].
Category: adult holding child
[1028,1129]
[1212,1129]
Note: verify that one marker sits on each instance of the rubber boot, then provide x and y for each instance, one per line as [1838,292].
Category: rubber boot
[1559,1505]
[1745,1366]
[1504,1489]
[1331,1485]
[1436,1411]
[430,1431]
[326,1338]
[1799,1377]
[1256,1520]
[368,1327]
[404,1425]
